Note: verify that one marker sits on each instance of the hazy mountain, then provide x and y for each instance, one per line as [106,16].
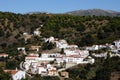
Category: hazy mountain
[97,12]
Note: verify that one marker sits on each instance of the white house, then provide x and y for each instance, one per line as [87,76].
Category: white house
[72,46]
[117,43]
[27,36]
[83,53]
[74,59]
[89,59]
[4,55]
[44,60]
[31,58]
[26,65]
[60,59]
[64,74]
[70,59]
[23,49]
[36,48]
[112,47]
[42,70]
[52,72]
[50,55]
[16,74]
[100,55]
[37,33]
[95,47]
[71,52]
[61,44]
[50,39]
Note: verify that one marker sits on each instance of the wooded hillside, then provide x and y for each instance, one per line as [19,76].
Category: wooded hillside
[80,30]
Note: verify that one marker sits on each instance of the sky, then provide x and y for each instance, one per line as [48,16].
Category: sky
[56,6]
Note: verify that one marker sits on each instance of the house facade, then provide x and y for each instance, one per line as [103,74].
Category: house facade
[117,43]
[16,74]
[3,55]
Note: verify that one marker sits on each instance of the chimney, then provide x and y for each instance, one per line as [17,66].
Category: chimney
[16,69]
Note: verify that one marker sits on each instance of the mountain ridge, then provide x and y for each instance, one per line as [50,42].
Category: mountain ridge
[96,12]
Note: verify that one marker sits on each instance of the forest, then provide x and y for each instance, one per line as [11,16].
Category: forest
[79,30]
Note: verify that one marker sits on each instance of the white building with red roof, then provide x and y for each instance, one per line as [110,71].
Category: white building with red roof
[31,57]
[4,55]
[16,74]
[36,48]
[61,44]
[42,70]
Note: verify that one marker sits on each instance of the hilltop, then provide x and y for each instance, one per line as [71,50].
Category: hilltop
[96,12]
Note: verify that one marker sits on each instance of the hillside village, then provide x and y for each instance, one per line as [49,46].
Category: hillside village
[54,62]
[60,40]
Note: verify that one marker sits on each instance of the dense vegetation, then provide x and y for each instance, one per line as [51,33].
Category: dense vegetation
[12,27]
[4,76]
[80,30]
[83,31]
[38,77]
[100,70]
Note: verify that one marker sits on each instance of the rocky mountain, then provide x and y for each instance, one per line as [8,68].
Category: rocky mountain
[96,12]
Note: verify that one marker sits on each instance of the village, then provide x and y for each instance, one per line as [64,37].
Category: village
[55,62]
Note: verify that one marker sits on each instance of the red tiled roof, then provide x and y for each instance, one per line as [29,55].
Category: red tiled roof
[3,54]
[74,56]
[13,72]
[31,56]
[53,70]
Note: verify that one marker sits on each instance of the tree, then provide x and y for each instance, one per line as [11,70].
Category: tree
[102,74]
[4,45]
[86,40]
[83,74]
[8,34]
[51,78]
[102,35]
[62,51]
[48,46]
[1,33]
[12,64]
[4,76]
[80,27]
[37,77]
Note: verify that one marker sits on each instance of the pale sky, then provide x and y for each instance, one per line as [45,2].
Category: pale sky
[56,6]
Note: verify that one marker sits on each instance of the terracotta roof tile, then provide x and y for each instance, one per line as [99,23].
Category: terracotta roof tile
[3,54]
[13,72]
